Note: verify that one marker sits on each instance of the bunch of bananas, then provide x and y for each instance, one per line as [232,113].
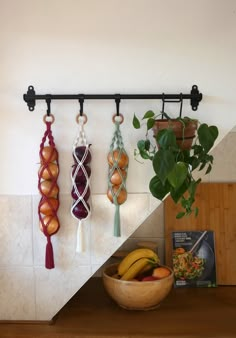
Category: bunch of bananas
[136,262]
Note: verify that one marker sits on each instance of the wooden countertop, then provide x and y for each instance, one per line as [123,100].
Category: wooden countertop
[185,313]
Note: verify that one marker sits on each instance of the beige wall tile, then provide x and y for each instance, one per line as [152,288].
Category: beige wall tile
[132,212]
[39,240]
[98,270]
[56,287]
[153,226]
[95,270]
[17,297]
[103,243]
[224,160]
[153,203]
[16,230]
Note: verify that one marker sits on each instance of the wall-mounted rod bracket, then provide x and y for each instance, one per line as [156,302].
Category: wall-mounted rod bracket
[195,97]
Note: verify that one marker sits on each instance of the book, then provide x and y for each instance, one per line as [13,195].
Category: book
[193,257]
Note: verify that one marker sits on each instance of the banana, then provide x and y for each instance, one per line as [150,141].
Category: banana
[135,268]
[148,267]
[133,256]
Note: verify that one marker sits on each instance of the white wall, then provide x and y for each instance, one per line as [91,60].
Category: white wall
[107,46]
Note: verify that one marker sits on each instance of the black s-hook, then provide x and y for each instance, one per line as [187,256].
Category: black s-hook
[48,101]
[181,105]
[117,100]
[81,102]
[163,105]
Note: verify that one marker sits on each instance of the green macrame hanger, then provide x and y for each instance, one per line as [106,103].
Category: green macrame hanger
[118,167]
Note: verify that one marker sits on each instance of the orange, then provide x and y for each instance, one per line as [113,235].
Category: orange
[161,272]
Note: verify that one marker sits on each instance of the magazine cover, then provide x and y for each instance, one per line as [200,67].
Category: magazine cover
[194,258]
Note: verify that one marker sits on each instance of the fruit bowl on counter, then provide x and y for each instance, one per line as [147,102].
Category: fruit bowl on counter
[138,282]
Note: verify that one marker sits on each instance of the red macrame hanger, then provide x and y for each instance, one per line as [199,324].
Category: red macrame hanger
[48,188]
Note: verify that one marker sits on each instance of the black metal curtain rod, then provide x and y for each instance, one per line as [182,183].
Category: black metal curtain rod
[195,97]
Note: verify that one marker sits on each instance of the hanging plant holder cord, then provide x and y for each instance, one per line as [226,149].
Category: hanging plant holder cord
[49,190]
[80,177]
[117,172]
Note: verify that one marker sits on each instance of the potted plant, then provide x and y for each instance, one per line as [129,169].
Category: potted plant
[175,159]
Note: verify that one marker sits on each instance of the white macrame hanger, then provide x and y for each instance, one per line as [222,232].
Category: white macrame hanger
[80,172]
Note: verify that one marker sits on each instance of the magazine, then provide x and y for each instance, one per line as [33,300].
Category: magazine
[194,258]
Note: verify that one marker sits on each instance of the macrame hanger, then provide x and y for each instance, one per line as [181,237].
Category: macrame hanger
[51,178]
[117,146]
[80,177]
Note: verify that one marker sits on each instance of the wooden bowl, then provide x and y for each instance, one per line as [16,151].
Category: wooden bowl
[136,295]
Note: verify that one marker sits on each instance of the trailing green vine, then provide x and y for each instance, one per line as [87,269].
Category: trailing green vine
[173,166]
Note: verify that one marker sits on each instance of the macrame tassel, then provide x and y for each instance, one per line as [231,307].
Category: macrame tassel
[117,221]
[80,242]
[49,259]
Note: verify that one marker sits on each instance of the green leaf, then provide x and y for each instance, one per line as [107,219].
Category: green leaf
[197,149]
[178,175]
[144,154]
[143,151]
[193,186]
[180,214]
[210,158]
[150,123]
[178,193]
[202,166]
[196,211]
[207,136]
[208,169]
[166,138]
[147,144]
[163,162]
[157,189]
[148,114]
[141,144]
[194,162]
[136,123]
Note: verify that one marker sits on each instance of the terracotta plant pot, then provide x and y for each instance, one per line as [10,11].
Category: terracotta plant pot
[184,134]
